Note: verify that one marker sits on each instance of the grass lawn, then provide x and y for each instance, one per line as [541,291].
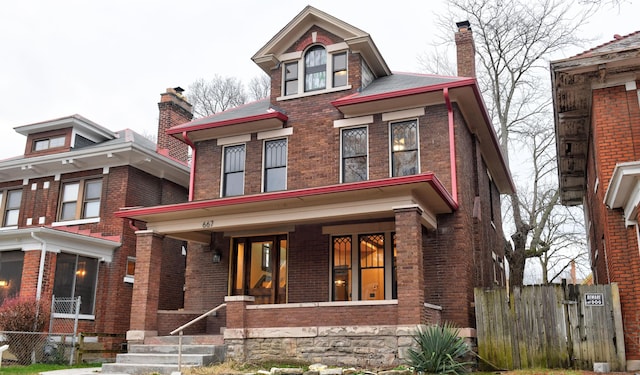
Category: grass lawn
[39,367]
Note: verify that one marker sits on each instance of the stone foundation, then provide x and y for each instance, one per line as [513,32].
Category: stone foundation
[357,346]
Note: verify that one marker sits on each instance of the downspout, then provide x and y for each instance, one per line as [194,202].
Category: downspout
[192,175]
[452,146]
[43,254]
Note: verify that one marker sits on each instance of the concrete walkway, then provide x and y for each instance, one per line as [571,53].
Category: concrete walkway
[75,371]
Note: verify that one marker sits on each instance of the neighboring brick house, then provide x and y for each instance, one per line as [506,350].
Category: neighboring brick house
[340,212]
[597,119]
[58,234]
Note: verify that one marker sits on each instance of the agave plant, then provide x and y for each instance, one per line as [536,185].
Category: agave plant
[439,350]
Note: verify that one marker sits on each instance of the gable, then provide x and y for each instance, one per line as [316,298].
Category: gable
[271,54]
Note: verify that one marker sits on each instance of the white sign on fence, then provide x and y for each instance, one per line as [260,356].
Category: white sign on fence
[593,299]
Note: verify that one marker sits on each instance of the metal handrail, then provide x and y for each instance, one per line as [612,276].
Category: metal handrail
[182,327]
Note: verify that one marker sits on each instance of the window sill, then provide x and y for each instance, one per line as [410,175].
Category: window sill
[312,93]
[73,316]
[75,222]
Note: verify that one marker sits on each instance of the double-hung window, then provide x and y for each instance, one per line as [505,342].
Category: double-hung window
[291,78]
[275,165]
[233,178]
[80,200]
[404,148]
[76,276]
[10,205]
[339,69]
[354,154]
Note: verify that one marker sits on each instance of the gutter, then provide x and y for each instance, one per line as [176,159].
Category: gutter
[452,146]
[43,254]
[192,174]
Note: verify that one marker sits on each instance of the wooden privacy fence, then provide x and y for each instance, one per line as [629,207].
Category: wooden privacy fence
[552,326]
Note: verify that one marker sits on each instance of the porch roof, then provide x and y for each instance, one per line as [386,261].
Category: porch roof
[374,199]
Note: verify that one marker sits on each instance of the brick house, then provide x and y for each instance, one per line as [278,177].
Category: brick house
[337,214]
[58,234]
[597,121]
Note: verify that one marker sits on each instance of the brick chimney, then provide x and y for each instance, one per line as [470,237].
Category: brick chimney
[466,50]
[174,110]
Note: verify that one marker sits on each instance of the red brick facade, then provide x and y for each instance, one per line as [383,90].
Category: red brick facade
[104,240]
[431,248]
[614,246]
[598,134]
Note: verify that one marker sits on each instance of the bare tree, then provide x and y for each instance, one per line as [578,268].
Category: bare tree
[513,40]
[218,94]
[259,87]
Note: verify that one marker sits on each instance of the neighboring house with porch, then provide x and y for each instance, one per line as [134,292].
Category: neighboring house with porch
[597,118]
[58,234]
[338,213]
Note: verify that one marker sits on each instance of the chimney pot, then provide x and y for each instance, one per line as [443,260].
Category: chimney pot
[463,25]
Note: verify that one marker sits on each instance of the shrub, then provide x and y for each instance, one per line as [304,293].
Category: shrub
[23,314]
[439,350]
[19,315]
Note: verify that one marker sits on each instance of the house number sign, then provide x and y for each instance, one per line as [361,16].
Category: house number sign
[593,299]
[207,224]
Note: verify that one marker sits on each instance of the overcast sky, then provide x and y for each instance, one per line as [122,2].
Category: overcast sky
[110,60]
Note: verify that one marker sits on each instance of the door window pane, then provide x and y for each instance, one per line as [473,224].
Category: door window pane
[372,266]
[342,268]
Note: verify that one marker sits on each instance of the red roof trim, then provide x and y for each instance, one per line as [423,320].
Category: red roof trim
[357,99]
[429,178]
[241,120]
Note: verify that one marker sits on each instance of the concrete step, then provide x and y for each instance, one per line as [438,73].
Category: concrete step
[160,355]
[139,369]
[186,340]
[173,349]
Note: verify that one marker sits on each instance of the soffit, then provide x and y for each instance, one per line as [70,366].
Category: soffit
[56,241]
[363,200]
[573,80]
[96,157]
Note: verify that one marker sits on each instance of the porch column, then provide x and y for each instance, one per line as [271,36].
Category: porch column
[146,286]
[410,265]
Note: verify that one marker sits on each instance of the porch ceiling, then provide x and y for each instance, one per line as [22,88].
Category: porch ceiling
[374,199]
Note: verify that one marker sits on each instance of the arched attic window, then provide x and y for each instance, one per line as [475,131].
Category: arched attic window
[315,69]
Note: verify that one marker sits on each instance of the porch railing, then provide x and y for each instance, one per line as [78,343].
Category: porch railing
[188,324]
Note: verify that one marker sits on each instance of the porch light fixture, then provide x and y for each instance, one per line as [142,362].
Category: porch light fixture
[217,256]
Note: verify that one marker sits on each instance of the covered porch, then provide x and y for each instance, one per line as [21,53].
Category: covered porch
[303,266]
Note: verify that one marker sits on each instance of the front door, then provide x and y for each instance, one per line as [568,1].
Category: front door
[260,268]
